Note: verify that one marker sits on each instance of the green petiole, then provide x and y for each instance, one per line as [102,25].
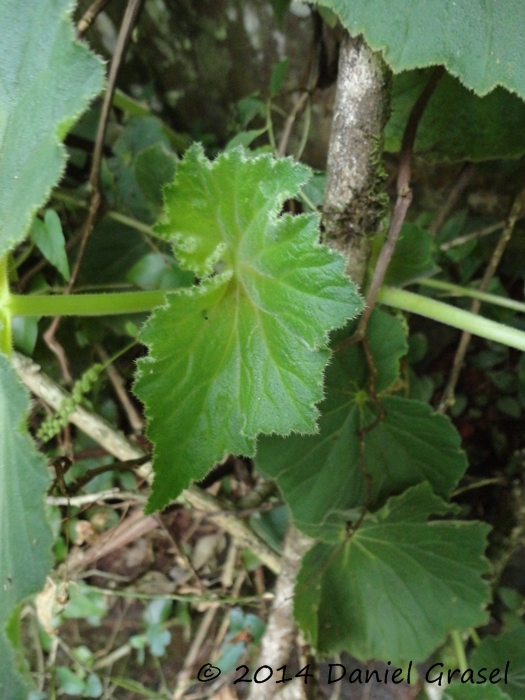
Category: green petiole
[5,316]
[452,316]
[456,290]
[139,302]
[84,304]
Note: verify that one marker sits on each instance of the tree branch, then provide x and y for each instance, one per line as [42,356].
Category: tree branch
[353,207]
[126,27]
[447,400]
[281,631]
[404,199]
[89,16]
[354,203]
[120,447]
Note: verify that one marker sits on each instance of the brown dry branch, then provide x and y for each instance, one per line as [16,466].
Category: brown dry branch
[463,181]
[447,400]
[89,16]
[86,499]
[126,28]
[290,120]
[487,230]
[133,526]
[123,449]
[184,677]
[135,420]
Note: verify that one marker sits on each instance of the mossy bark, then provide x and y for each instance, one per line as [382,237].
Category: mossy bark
[354,199]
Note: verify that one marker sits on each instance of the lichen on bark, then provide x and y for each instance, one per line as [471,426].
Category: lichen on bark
[355,202]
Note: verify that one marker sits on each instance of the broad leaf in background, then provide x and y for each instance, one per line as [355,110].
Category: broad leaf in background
[461,691]
[25,537]
[322,476]
[494,652]
[49,238]
[412,257]
[144,161]
[312,194]
[278,76]
[47,80]
[482,44]
[280,8]
[398,585]
[475,129]
[242,353]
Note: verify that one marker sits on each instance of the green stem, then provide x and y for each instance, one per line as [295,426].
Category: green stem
[456,290]
[452,316]
[132,223]
[5,314]
[269,126]
[460,650]
[180,142]
[475,636]
[476,485]
[115,215]
[84,304]
[139,302]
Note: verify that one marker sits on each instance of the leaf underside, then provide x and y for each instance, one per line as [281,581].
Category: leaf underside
[395,588]
[323,476]
[461,691]
[476,129]
[480,43]
[47,81]
[25,537]
[495,652]
[243,352]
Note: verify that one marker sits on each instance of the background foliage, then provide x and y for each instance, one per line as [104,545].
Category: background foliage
[399,498]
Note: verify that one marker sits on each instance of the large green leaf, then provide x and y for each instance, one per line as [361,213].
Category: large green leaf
[323,476]
[395,588]
[495,652]
[25,538]
[47,79]
[485,691]
[12,686]
[243,352]
[476,129]
[479,41]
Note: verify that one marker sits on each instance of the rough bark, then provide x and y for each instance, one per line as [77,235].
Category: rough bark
[354,199]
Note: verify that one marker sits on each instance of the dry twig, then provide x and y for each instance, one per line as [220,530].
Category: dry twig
[184,677]
[118,445]
[447,399]
[455,193]
[487,230]
[126,27]
[87,499]
[290,120]
[89,16]
[135,420]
